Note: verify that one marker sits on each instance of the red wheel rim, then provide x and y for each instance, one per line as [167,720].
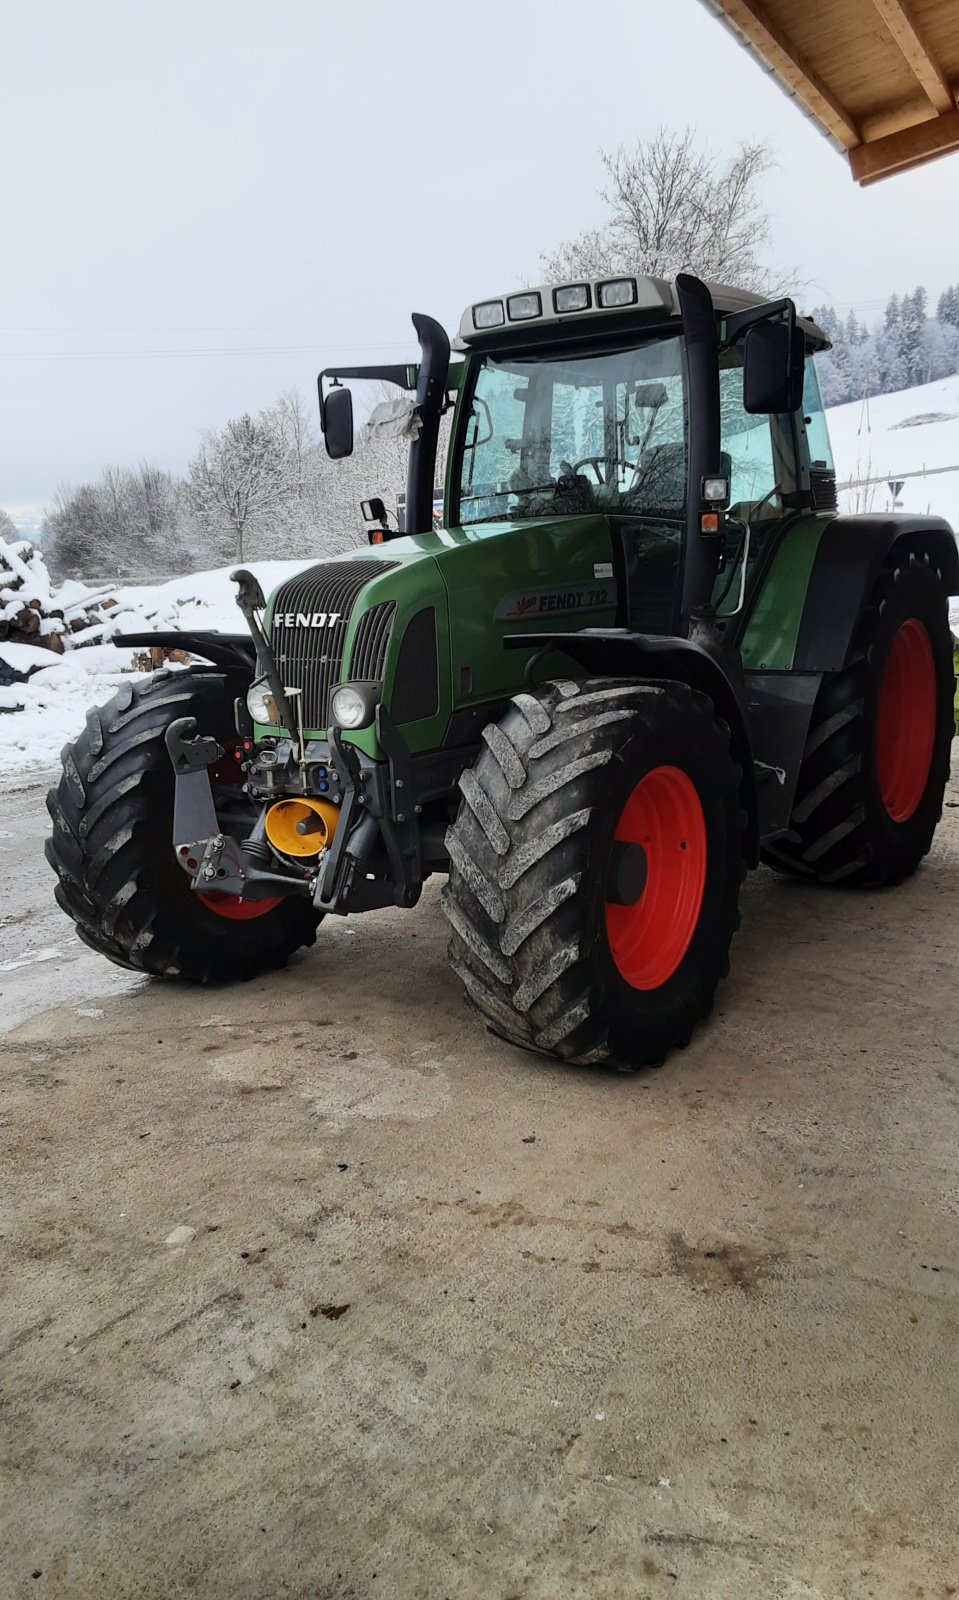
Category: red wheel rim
[648,940]
[235,909]
[906,722]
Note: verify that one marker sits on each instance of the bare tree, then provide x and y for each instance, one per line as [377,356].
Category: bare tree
[240,476]
[673,207]
[8,528]
[295,426]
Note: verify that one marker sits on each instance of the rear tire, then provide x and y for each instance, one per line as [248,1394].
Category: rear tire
[876,763]
[112,842]
[571,937]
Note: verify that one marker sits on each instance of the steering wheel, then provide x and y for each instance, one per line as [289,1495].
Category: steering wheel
[603,461]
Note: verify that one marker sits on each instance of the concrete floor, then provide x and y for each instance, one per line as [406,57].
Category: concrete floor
[459,1322]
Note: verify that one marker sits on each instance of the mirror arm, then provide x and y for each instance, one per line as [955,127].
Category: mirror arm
[738,324]
[404,377]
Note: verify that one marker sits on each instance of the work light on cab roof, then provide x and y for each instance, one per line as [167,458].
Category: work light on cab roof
[565,300]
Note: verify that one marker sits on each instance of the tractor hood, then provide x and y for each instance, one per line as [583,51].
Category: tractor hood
[426,617]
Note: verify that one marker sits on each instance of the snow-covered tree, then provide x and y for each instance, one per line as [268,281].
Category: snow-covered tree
[8,528]
[906,348]
[241,476]
[674,207]
[913,317]
[938,353]
[947,311]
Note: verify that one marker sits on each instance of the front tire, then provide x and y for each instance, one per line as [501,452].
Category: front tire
[112,842]
[595,867]
[876,762]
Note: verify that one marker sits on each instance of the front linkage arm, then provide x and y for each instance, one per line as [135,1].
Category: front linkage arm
[251,601]
[212,859]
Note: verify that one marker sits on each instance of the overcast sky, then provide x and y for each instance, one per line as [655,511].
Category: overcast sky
[282,183]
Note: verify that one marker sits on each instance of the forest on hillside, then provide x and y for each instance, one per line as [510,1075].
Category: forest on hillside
[907,347]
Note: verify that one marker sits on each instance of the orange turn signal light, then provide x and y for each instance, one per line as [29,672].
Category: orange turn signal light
[709,522]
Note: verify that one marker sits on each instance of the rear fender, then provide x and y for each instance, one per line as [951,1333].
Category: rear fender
[618,653]
[851,554]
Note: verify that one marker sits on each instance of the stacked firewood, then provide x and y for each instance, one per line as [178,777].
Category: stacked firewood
[31,612]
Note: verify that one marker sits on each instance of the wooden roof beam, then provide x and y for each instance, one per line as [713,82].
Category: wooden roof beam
[792,67]
[880,158]
[901,24]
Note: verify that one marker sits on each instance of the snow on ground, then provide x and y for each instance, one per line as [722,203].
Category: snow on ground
[50,707]
[913,431]
[201,600]
[884,437]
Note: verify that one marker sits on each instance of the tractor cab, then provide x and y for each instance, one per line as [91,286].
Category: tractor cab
[687,416]
[584,408]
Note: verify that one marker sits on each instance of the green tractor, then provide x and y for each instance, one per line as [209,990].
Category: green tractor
[643,655]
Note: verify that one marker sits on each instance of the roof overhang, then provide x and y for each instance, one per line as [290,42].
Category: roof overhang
[879,77]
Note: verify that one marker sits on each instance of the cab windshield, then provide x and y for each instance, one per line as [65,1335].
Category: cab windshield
[590,432]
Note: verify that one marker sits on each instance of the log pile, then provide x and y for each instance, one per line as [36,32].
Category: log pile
[33,613]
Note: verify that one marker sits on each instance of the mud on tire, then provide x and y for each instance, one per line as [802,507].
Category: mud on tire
[111,845]
[530,856]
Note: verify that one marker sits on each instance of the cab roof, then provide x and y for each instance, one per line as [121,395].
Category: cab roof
[523,316]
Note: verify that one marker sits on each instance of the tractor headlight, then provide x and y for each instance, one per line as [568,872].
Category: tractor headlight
[261,704]
[617,292]
[489,314]
[353,705]
[716,491]
[574,297]
[523,306]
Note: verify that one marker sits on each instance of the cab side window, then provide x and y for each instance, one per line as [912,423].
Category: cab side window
[759,453]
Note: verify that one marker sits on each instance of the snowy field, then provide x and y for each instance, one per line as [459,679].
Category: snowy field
[913,431]
[55,698]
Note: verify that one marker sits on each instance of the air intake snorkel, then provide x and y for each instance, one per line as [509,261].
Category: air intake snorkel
[430,401]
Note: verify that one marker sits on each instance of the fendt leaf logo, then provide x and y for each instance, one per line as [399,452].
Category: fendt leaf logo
[306,619]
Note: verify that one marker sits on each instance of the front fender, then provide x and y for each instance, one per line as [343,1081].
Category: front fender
[233,650]
[618,653]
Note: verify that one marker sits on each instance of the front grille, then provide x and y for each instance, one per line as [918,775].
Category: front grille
[372,642]
[311,658]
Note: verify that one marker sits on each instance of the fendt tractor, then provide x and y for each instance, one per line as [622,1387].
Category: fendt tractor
[644,654]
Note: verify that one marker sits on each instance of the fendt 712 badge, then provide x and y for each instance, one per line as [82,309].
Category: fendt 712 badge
[642,654]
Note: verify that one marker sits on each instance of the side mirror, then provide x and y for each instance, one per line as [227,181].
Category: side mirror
[773,357]
[337,420]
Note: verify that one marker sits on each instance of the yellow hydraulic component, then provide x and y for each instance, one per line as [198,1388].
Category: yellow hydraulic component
[301,827]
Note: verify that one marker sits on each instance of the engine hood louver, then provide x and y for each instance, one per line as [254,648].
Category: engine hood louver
[372,641]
